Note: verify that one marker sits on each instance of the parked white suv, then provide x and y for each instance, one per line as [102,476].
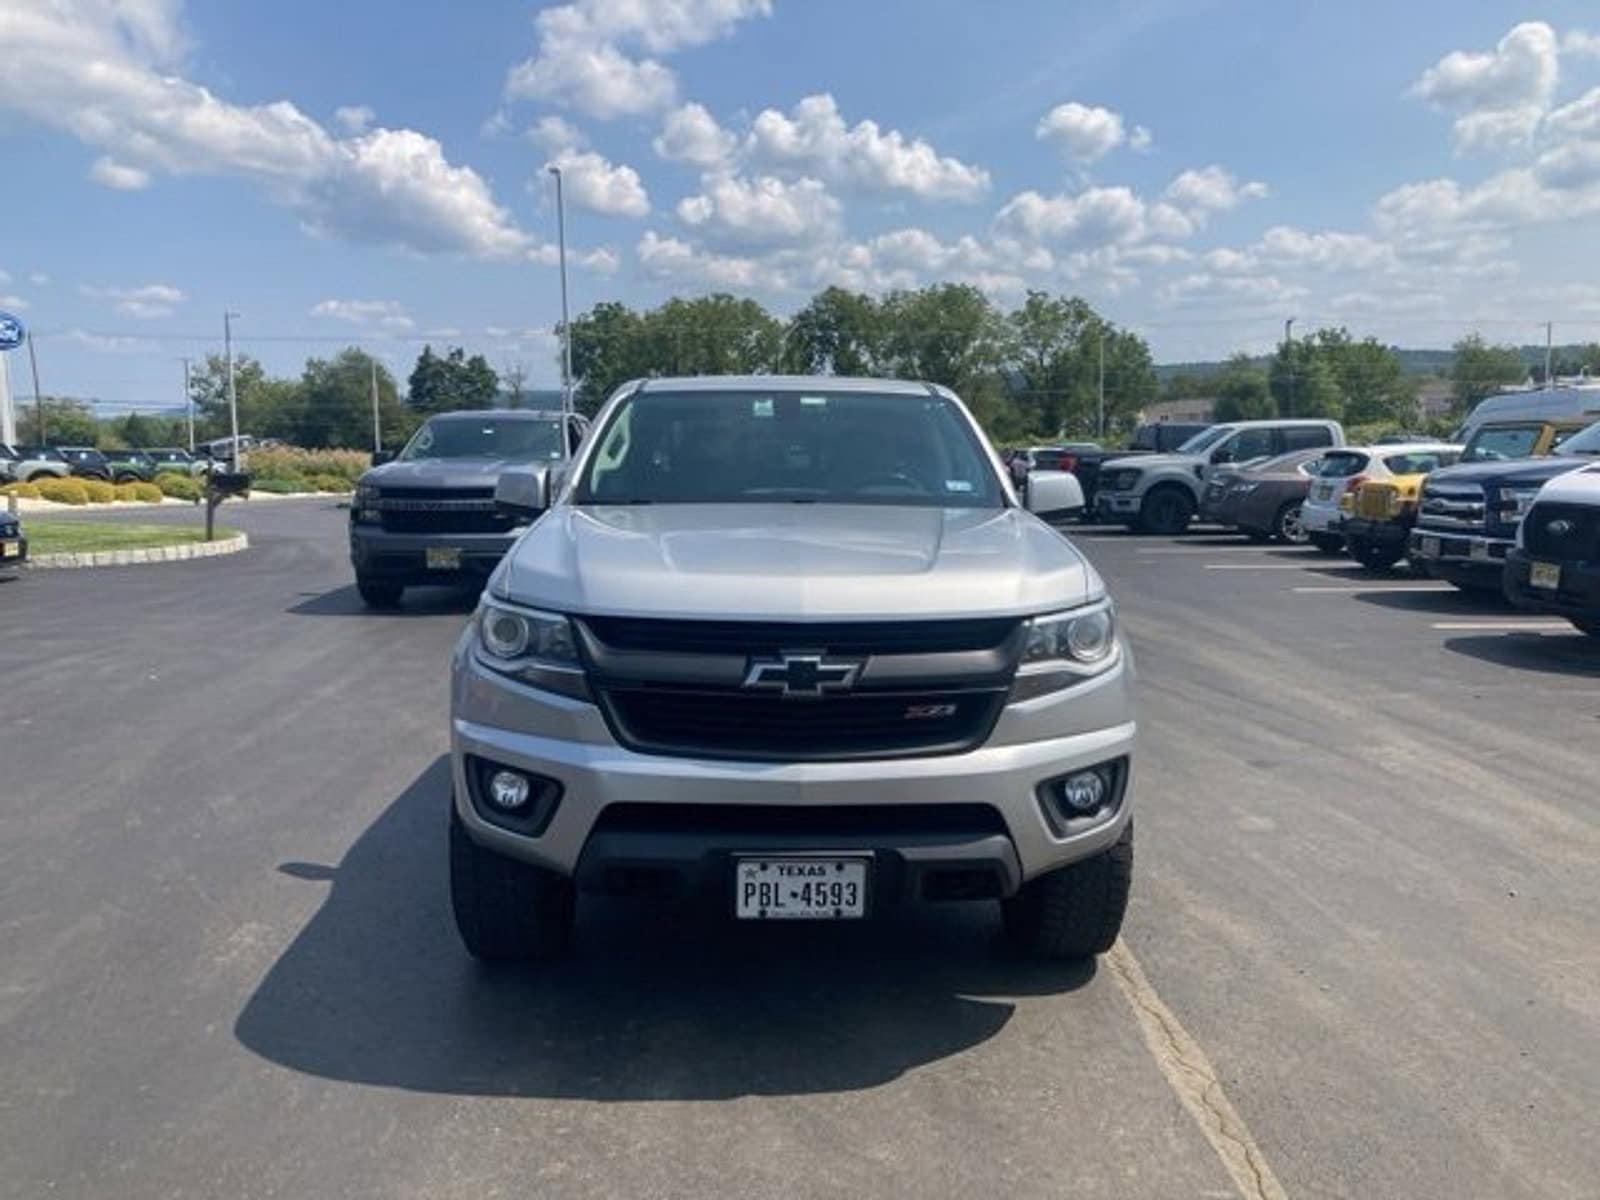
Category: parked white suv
[1343,471]
[1160,493]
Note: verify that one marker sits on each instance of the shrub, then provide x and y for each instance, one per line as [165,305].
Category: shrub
[329,483]
[287,462]
[123,492]
[63,491]
[147,492]
[182,487]
[27,491]
[99,491]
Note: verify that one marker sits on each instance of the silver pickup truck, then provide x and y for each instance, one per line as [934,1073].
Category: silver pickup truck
[791,643]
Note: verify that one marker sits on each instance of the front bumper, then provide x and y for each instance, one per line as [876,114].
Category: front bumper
[1117,506]
[1577,595]
[403,557]
[764,807]
[1378,533]
[1321,518]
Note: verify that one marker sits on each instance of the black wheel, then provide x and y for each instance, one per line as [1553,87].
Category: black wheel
[1286,525]
[126,478]
[1589,625]
[1166,510]
[1076,911]
[506,910]
[1375,556]
[1327,543]
[379,593]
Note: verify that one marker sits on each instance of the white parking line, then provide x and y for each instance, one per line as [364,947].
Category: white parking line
[1382,587]
[1529,625]
[1212,550]
[1194,1081]
[1254,567]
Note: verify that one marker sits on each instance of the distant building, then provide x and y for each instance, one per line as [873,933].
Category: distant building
[1436,399]
[1200,408]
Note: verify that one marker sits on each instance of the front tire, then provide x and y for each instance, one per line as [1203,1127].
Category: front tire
[379,593]
[507,910]
[1327,543]
[1375,556]
[1167,510]
[1074,912]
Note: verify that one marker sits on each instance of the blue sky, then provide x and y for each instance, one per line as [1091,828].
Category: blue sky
[372,173]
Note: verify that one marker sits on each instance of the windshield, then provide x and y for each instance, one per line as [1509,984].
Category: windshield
[1587,442]
[825,447]
[485,437]
[1204,440]
[1420,462]
[1496,442]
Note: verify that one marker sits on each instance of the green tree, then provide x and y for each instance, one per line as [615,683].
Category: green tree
[1242,392]
[948,333]
[1370,377]
[267,405]
[1480,370]
[839,332]
[713,335]
[452,383]
[1045,343]
[336,404]
[1317,391]
[608,349]
[67,422]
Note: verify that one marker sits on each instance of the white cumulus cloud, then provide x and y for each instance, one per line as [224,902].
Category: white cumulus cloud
[1499,95]
[583,59]
[764,211]
[354,118]
[1095,216]
[814,138]
[381,314]
[1083,132]
[1211,189]
[691,134]
[148,302]
[671,258]
[108,172]
[589,179]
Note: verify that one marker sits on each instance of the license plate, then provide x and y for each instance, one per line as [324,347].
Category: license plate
[816,889]
[1430,547]
[442,558]
[1325,491]
[1479,551]
[1545,575]
[10,549]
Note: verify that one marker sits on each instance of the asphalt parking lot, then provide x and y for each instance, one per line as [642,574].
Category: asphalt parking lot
[1361,961]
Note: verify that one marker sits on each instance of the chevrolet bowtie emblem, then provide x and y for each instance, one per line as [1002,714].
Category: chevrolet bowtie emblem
[801,674]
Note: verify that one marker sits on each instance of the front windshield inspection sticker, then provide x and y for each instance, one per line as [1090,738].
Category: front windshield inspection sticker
[957,485]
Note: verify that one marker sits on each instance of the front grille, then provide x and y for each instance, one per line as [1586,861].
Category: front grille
[1461,508]
[742,725]
[762,637]
[1575,536]
[432,510]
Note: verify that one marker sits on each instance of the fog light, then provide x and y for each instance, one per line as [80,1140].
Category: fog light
[508,790]
[1084,792]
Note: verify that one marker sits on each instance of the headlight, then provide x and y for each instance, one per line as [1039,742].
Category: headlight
[365,504]
[1514,503]
[1082,640]
[1245,487]
[513,638]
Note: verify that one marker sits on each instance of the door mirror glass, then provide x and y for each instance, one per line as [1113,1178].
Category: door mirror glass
[379,457]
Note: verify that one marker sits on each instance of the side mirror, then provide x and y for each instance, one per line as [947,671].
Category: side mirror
[1224,455]
[379,457]
[522,492]
[1054,492]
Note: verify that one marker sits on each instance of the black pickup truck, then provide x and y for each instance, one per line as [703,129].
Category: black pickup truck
[1161,437]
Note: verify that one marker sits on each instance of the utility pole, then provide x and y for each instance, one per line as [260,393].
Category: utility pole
[1549,352]
[566,323]
[38,396]
[233,391]
[1101,427]
[188,403]
[377,428]
[1288,358]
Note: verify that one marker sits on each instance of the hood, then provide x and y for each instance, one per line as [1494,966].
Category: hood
[1576,487]
[442,473]
[1155,461]
[794,562]
[1512,472]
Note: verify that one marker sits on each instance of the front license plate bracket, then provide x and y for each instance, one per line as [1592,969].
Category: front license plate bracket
[790,887]
[442,558]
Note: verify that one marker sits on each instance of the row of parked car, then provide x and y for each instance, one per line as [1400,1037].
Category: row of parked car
[1512,505]
[30,464]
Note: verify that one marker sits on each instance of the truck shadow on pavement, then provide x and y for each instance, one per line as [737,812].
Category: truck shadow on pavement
[1438,603]
[1551,654]
[657,1002]
[418,602]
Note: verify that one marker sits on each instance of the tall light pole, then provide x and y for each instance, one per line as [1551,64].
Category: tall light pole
[566,323]
[1288,358]
[1549,352]
[233,391]
[38,396]
[377,428]
[188,403]
[1101,428]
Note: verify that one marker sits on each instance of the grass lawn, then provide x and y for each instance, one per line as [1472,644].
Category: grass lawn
[82,537]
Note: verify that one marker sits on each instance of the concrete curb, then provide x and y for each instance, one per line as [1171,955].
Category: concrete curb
[152,554]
